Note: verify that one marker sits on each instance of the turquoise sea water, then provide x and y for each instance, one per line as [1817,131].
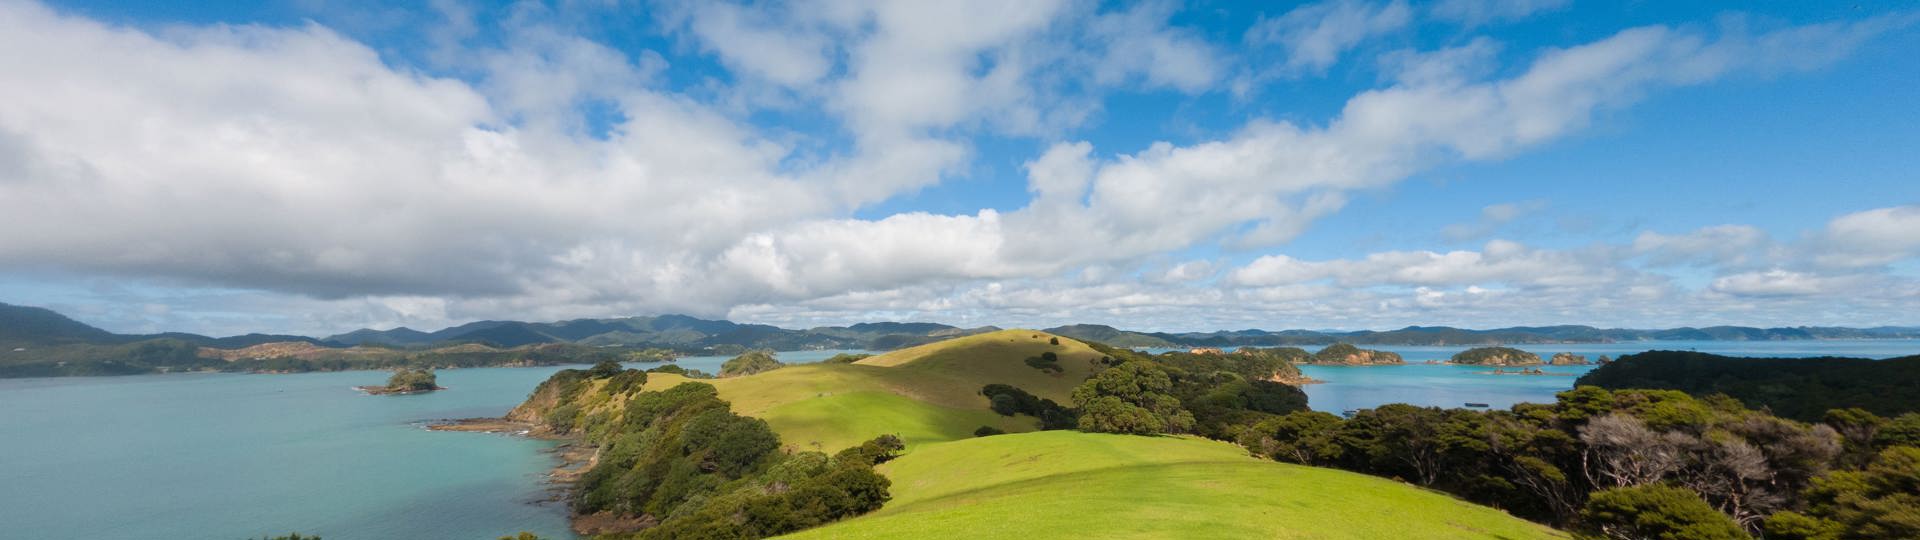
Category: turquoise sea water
[1357,387]
[231,456]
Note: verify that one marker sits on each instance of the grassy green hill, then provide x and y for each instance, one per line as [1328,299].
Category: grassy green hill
[1066,484]
[924,394]
[1063,484]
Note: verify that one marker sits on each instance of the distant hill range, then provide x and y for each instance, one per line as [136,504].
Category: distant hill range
[33,327]
[1443,336]
[27,327]
[22,326]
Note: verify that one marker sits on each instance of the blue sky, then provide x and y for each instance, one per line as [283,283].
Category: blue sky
[318,166]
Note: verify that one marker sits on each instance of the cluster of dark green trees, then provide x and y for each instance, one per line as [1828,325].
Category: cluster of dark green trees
[1633,463]
[1212,395]
[683,461]
[1008,401]
[1799,388]
[1047,361]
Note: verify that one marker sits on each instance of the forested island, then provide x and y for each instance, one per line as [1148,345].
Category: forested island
[1495,356]
[406,381]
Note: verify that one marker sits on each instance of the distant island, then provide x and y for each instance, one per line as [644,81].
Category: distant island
[1495,356]
[406,381]
[1345,354]
[37,342]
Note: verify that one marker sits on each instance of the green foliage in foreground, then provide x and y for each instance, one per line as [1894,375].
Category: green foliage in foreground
[1882,501]
[1071,485]
[1799,388]
[1554,462]
[1658,512]
[681,460]
[750,363]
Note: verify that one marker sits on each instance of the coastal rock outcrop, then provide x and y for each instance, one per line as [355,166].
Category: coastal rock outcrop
[1495,356]
[1568,359]
[1348,355]
[406,381]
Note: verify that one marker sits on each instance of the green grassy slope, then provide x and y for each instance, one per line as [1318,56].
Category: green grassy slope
[923,394]
[952,372]
[1061,484]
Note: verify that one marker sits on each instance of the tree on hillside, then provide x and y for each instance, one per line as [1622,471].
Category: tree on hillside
[1658,512]
[1882,501]
[1131,398]
[1306,437]
[604,369]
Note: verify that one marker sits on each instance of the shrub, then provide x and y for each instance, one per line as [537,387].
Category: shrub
[1047,361]
[1658,512]
[988,431]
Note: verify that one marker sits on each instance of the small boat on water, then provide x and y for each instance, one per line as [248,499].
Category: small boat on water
[1477,405]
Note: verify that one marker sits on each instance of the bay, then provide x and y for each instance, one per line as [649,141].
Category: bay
[237,456]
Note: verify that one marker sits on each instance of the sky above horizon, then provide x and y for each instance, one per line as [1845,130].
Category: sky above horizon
[317,166]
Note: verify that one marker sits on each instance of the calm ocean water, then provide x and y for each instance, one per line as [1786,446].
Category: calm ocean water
[230,456]
[1357,387]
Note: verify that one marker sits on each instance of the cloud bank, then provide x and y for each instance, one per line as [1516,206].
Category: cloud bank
[298,167]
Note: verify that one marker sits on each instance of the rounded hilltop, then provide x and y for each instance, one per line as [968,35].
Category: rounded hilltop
[1495,356]
[967,412]
[1346,354]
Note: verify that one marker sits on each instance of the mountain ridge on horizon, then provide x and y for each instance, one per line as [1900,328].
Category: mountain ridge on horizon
[42,326]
